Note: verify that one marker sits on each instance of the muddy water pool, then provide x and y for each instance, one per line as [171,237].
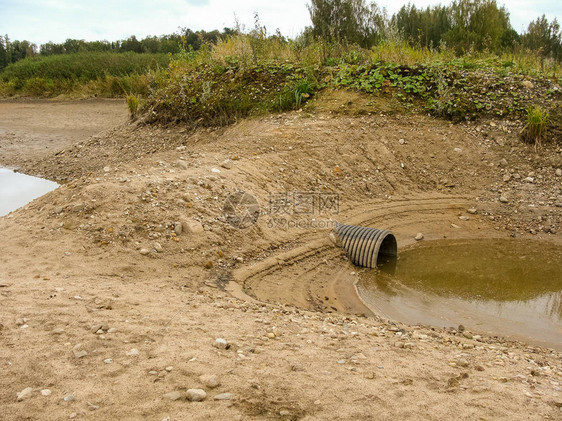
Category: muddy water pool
[507,287]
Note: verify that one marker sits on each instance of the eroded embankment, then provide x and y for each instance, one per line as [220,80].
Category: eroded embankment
[136,240]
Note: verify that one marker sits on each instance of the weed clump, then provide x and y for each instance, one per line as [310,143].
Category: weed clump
[132,105]
[535,129]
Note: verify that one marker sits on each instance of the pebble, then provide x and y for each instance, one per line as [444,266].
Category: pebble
[24,394]
[220,343]
[178,228]
[401,141]
[132,352]
[158,247]
[504,199]
[227,164]
[284,413]
[529,180]
[144,252]
[472,211]
[457,150]
[223,397]
[506,177]
[480,389]
[80,353]
[464,218]
[46,392]
[503,162]
[69,398]
[210,380]
[108,361]
[419,236]
[196,395]
[173,396]
[73,415]
[192,226]
[181,164]
[558,172]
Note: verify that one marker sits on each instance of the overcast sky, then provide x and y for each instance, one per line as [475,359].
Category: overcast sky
[40,21]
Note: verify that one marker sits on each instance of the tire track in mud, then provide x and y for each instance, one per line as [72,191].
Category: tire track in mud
[316,275]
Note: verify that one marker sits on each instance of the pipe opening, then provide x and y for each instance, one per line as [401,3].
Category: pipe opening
[367,247]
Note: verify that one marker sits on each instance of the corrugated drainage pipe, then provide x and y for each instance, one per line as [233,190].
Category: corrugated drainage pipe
[364,245]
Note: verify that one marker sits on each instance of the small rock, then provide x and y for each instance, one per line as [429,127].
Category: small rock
[25,393]
[506,177]
[529,180]
[503,162]
[173,396]
[144,252]
[223,397]
[461,362]
[558,172]
[133,352]
[181,164]
[58,331]
[284,413]
[472,211]
[80,354]
[227,164]
[73,415]
[457,150]
[220,343]
[46,392]
[455,226]
[464,218]
[210,380]
[504,199]
[419,236]
[158,247]
[196,395]
[106,169]
[528,84]
[401,141]
[108,361]
[69,398]
[192,226]
[178,228]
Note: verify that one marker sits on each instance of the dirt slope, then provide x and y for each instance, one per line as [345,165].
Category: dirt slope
[106,250]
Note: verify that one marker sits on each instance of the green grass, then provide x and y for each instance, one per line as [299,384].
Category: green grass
[537,124]
[85,74]
[244,76]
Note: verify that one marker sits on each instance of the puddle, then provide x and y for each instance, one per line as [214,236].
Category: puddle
[17,190]
[503,287]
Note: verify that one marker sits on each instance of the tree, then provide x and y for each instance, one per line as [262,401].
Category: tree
[477,24]
[544,37]
[342,20]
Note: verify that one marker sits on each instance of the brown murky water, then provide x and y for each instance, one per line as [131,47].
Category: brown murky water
[506,287]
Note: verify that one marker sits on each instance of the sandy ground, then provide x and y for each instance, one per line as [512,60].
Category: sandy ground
[30,130]
[126,286]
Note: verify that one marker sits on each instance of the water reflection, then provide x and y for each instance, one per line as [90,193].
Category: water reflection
[509,286]
[16,190]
